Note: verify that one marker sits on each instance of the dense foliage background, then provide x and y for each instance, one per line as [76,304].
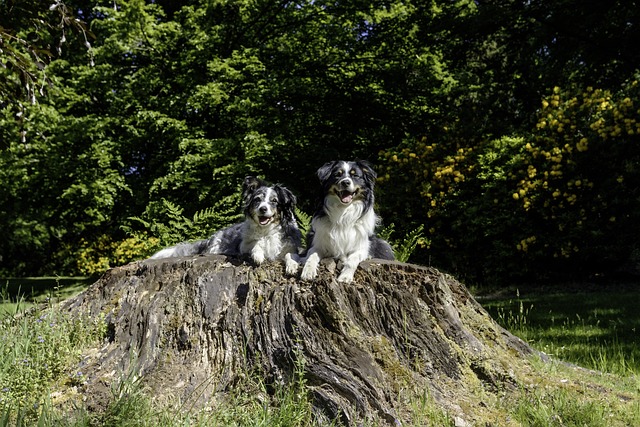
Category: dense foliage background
[509,130]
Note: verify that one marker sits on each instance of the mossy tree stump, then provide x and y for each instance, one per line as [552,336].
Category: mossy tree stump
[191,327]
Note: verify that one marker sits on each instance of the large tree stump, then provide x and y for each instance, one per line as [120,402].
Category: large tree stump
[192,326]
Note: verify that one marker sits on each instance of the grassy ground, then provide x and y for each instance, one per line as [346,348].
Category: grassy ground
[596,328]
[17,294]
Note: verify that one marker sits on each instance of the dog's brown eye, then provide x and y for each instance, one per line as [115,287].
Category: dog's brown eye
[274,200]
[353,172]
[338,173]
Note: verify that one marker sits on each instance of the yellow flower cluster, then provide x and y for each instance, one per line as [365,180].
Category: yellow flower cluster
[103,253]
[525,243]
[563,174]
[568,127]
[608,117]
[566,250]
[430,164]
[582,145]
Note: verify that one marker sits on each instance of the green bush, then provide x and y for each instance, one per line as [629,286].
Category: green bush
[561,200]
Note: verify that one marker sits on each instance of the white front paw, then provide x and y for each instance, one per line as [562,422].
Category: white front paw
[309,272]
[291,264]
[258,257]
[346,275]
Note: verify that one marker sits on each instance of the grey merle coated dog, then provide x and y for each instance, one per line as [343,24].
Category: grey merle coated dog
[268,232]
[343,225]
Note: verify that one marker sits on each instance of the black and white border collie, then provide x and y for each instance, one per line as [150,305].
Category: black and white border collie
[343,225]
[268,232]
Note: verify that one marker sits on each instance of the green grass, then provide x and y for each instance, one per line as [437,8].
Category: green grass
[566,395]
[598,329]
[39,347]
[249,403]
[17,294]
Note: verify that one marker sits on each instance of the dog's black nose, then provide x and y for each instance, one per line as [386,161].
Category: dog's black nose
[345,183]
[262,209]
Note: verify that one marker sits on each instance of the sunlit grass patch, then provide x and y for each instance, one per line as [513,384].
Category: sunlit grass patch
[598,330]
[561,394]
[558,408]
[17,294]
[38,346]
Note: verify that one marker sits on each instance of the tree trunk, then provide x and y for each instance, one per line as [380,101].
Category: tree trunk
[191,327]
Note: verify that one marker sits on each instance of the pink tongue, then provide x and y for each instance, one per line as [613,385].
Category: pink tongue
[263,220]
[346,197]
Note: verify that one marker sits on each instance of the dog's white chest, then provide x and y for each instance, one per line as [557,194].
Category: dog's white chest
[343,237]
[271,245]
[263,244]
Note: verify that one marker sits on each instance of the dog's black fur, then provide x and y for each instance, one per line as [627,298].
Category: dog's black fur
[268,232]
[343,225]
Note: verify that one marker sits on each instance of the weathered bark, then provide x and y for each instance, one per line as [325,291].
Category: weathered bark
[192,326]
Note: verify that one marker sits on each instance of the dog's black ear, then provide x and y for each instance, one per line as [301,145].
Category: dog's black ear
[325,171]
[285,196]
[250,184]
[286,200]
[367,170]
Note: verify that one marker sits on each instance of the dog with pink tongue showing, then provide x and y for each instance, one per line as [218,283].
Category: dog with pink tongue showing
[343,225]
[269,230]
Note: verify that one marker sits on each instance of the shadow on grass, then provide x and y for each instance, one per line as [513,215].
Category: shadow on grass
[20,293]
[595,329]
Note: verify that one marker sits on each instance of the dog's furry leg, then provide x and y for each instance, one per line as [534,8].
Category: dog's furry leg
[257,254]
[182,249]
[347,273]
[350,265]
[310,269]
[165,253]
[291,262]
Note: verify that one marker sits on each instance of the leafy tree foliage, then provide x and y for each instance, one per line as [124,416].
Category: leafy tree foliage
[31,34]
[145,139]
[468,171]
[182,103]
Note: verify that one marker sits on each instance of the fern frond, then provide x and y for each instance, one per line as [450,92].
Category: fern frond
[386,232]
[304,222]
[173,210]
[204,214]
[404,248]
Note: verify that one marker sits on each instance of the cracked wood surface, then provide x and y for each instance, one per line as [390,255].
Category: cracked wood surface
[191,327]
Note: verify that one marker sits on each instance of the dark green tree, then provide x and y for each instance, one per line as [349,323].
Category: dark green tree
[182,101]
[32,33]
[508,57]
[145,138]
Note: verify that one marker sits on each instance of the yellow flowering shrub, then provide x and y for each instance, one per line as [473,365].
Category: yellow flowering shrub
[418,181]
[563,197]
[583,148]
[435,170]
[104,253]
